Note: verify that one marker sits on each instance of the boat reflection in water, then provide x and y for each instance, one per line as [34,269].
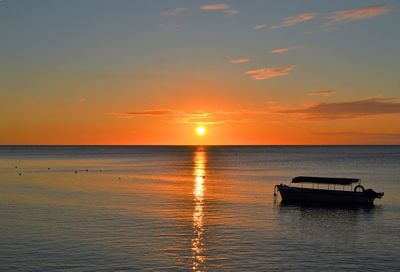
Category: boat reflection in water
[199,172]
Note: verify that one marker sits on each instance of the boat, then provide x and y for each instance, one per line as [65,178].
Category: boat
[334,191]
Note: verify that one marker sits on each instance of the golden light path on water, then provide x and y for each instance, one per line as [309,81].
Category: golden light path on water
[200,160]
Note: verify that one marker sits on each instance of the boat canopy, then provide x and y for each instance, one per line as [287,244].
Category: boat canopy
[342,181]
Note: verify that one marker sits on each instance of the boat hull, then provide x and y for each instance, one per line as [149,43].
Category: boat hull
[291,194]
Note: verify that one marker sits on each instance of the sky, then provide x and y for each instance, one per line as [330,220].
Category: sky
[250,72]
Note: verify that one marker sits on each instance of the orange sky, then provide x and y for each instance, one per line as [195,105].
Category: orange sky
[151,73]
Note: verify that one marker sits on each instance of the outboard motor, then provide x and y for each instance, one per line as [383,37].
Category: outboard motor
[371,193]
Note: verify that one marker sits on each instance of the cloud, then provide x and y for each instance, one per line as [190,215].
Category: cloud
[175,12]
[349,15]
[191,117]
[267,73]
[260,26]
[160,112]
[358,134]
[275,27]
[296,19]
[220,7]
[239,60]
[210,118]
[322,93]
[211,7]
[348,109]
[275,111]
[280,50]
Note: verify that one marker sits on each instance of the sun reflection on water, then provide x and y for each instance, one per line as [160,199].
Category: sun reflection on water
[198,258]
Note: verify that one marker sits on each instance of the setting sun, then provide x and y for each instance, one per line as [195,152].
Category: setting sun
[201,130]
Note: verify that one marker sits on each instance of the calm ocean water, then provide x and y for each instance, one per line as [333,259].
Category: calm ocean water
[192,208]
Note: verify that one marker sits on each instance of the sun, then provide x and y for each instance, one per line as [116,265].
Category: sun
[200,130]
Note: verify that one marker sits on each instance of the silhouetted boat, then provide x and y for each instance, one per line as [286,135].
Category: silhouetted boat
[326,196]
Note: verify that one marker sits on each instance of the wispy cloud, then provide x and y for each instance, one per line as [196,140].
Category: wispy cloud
[357,133]
[158,112]
[349,15]
[239,60]
[296,19]
[322,93]
[211,118]
[220,7]
[267,73]
[175,12]
[188,117]
[280,50]
[348,109]
[277,112]
[300,18]
[215,7]
[260,26]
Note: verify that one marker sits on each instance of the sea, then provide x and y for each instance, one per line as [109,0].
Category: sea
[192,208]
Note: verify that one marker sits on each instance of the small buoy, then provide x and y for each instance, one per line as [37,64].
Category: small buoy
[48,168]
[119,177]
[16,166]
[87,170]
[76,171]
[20,174]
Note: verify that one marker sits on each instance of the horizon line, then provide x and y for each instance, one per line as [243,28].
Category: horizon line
[182,145]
